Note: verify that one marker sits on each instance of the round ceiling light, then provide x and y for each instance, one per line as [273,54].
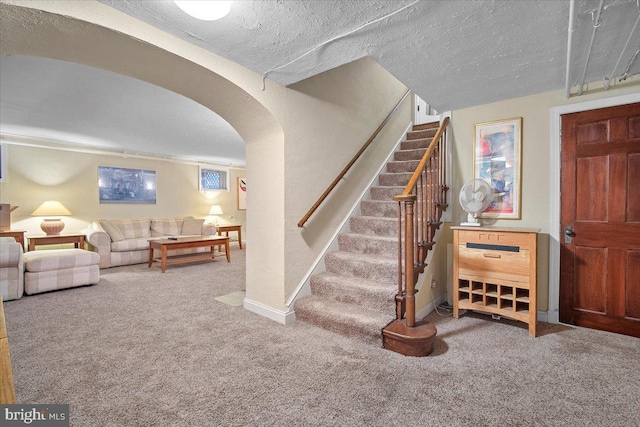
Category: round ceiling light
[206,10]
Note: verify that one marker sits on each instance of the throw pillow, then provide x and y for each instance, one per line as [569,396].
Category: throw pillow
[113,229]
[192,226]
[165,227]
[135,228]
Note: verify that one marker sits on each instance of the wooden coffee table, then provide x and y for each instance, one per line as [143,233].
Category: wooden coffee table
[166,245]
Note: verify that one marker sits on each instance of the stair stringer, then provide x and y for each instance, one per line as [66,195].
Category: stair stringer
[318,266]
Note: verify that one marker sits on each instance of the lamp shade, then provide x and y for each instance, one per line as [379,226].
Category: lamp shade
[215,210]
[51,208]
[205,10]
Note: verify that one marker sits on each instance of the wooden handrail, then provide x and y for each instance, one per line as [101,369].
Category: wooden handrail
[348,166]
[432,146]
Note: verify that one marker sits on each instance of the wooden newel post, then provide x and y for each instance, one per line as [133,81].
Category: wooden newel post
[400,307]
[406,336]
[409,291]
[410,314]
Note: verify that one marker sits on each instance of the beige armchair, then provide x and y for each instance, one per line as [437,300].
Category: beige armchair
[11,269]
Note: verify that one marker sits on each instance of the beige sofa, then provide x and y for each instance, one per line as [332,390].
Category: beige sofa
[126,241]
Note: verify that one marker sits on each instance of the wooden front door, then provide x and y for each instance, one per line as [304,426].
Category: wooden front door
[600,219]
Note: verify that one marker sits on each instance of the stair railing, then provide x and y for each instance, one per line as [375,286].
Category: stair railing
[353,160]
[420,208]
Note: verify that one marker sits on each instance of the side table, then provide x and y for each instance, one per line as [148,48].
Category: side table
[230,227]
[76,239]
[16,234]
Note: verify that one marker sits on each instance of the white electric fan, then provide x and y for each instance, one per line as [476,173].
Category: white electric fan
[475,197]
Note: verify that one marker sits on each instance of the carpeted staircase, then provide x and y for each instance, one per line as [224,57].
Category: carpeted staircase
[355,296]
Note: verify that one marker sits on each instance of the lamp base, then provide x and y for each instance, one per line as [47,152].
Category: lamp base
[52,227]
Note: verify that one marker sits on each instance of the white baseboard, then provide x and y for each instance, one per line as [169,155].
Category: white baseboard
[431,306]
[543,316]
[288,317]
[282,317]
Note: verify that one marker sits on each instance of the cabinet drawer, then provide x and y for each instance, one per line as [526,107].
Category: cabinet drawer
[523,241]
[494,266]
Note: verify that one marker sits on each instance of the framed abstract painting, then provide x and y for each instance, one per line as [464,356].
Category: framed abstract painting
[497,156]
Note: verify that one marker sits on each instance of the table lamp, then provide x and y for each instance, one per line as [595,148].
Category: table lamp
[51,208]
[215,211]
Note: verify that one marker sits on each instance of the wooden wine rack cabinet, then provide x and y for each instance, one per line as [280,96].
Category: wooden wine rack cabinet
[494,271]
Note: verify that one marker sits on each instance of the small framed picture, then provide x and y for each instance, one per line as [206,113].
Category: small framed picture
[242,193]
[497,160]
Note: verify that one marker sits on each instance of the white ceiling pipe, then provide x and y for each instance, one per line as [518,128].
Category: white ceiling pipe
[571,29]
[596,24]
[629,65]
[608,83]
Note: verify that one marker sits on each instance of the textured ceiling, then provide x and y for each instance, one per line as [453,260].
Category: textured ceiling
[453,54]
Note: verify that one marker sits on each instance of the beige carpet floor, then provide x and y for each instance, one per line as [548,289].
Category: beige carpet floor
[149,349]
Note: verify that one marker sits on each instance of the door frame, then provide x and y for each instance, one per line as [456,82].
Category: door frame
[555,139]
[422,117]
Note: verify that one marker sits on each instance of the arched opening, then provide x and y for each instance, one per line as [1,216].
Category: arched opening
[108,46]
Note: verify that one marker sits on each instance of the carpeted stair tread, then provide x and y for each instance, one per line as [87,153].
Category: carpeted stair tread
[394,179]
[402,166]
[379,208]
[386,192]
[418,134]
[369,267]
[415,144]
[346,319]
[424,126]
[414,154]
[372,294]
[381,246]
[374,225]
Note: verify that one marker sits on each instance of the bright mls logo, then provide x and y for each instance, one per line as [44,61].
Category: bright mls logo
[35,415]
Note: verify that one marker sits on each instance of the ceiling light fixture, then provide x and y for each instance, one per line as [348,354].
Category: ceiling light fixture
[205,10]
